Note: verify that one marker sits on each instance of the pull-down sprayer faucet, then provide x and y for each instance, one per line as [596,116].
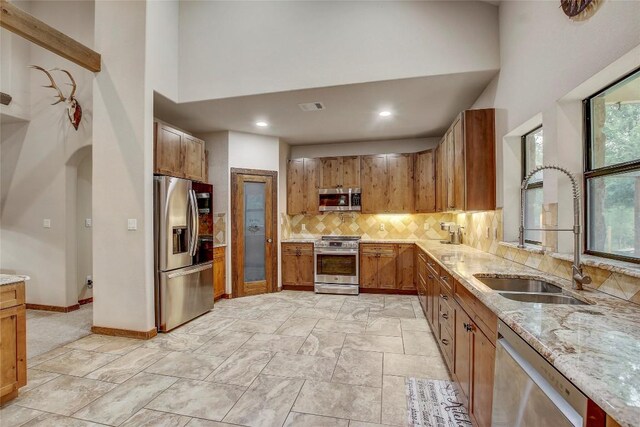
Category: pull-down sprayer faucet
[576,272]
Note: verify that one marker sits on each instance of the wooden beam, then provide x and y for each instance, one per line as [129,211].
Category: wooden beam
[17,21]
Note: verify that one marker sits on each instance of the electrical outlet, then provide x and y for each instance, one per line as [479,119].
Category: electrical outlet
[87,222]
[132,224]
[304,227]
[46,223]
[381,227]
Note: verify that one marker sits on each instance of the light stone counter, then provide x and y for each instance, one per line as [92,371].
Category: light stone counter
[9,279]
[597,347]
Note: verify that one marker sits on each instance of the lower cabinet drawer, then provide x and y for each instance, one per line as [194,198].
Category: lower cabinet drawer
[446,345]
[446,315]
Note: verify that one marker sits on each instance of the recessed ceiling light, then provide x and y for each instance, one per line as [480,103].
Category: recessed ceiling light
[384,113]
[262,124]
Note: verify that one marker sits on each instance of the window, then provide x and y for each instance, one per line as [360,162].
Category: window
[532,144]
[612,170]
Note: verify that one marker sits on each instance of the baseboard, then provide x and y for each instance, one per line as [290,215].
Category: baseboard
[142,335]
[297,287]
[85,301]
[223,296]
[56,308]
[362,290]
[389,291]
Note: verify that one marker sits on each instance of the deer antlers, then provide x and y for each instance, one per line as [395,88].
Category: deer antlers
[74,110]
[53,85]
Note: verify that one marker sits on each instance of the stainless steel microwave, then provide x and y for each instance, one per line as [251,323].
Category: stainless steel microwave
[339,199]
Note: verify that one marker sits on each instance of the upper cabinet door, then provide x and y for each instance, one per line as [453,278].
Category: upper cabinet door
[168,151]
[311,181]
[440,184]
[350,172]
[450,170]
[374,184]
[400,174]
[330,172]
[194,165]
[458,165]
[425,183]
[295,187]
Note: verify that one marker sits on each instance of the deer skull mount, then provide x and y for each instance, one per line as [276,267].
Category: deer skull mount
[74,110]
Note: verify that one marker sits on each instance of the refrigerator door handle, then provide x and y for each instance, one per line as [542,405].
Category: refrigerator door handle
[195,226]
[191,225]
[184,272]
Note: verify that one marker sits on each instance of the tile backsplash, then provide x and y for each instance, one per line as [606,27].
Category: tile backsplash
[616,283]
[369,226]
[220,228]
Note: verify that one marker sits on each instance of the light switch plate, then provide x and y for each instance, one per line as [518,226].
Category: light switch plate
[87,222]
[381,227]
[132,224]
[304,227]
[46,223]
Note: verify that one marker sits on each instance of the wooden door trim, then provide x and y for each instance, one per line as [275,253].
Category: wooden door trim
[235,267]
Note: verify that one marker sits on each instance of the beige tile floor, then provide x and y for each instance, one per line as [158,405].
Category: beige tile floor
[284,359]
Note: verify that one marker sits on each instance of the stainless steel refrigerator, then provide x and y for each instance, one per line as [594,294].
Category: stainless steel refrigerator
[184,269]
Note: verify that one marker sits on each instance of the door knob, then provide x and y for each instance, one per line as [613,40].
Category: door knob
[269,240]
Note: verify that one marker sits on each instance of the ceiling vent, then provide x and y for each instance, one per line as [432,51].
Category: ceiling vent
[311,106]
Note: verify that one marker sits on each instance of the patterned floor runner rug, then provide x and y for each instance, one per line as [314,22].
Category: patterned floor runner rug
[435,403]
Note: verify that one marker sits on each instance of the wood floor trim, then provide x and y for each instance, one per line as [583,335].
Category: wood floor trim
[114,332]
[56,308]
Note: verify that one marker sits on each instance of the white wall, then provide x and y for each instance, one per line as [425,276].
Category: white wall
[544,58]
[232,48]
[162,46]
[39,161]
[83,233]
[123,170]
[363,148]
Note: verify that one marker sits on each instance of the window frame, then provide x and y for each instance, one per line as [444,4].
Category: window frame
[533,185]
[590,172]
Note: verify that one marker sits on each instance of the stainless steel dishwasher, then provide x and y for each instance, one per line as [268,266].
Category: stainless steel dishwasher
[528,391]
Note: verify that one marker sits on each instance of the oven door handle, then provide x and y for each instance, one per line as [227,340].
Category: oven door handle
[337,252]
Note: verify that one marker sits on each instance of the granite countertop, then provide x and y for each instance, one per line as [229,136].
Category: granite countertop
[219,245]
[300,240]
[597,347]
[312,239]
[9,279]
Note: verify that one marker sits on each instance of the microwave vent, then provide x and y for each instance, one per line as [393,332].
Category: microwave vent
[311,106]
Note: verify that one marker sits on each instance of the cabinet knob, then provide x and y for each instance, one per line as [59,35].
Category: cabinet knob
[445,316]
[445,278]
[444,297]
[445,341]
[430,276]
[468,327]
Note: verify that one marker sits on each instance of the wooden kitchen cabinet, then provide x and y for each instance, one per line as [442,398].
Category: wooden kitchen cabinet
[441,187]
[387,183]
[378,266]
[178,154]
[13,336]
[340,172]
[219,272]
[406,267]
[194,158]
[297,264]
[302,186]
[425,182]
[466,165]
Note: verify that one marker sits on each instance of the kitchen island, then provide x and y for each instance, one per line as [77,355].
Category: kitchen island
[13,333]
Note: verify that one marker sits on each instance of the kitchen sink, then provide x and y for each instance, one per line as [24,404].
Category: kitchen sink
[542,298]
[509,284]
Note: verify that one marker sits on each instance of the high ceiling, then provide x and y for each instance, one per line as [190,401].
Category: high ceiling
[421,107]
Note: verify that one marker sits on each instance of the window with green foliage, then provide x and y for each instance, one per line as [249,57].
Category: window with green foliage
[532,151]
[612,172]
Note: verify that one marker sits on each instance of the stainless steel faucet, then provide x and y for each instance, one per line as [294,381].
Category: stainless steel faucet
[579,278]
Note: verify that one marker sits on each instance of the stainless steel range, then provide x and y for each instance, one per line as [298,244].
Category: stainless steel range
[337,265]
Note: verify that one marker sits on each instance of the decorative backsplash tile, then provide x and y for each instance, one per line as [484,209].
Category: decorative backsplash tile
[220,228]
[369,226]
[475,235]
